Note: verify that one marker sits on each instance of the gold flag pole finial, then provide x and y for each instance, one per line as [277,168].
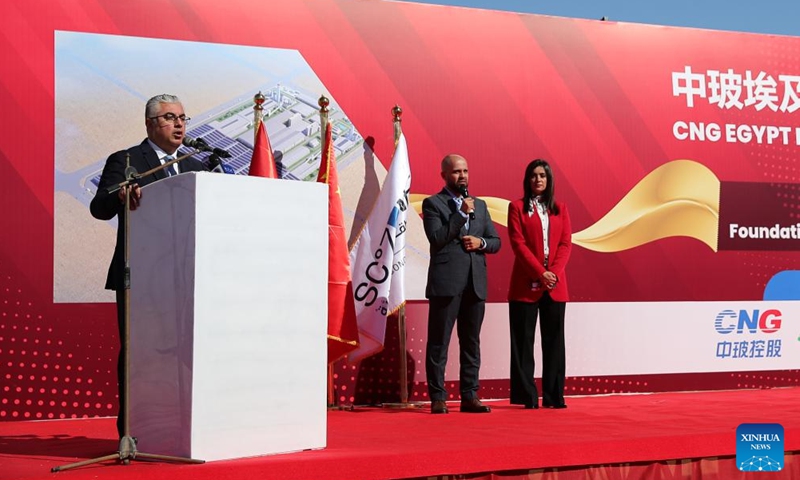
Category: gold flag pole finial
[258,111]
[323,114]
[397,113]
[323,120]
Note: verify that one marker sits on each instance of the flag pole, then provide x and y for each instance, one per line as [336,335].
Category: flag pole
[397,114]
[323,124]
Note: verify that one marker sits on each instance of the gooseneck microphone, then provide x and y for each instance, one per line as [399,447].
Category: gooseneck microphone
[200,144]
[218,166]
[465,194]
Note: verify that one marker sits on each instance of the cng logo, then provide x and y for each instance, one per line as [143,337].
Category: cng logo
[768,321]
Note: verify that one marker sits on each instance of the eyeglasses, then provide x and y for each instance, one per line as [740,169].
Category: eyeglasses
[171,117]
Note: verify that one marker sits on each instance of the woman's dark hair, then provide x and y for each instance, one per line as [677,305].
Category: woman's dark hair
[548,196]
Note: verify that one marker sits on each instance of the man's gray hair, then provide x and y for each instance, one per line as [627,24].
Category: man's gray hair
[152,104]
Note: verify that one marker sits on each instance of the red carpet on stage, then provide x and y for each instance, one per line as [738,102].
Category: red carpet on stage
[593,435]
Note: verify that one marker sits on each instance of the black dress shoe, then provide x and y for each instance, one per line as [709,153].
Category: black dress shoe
[531,406]
[438,406]
[560,405]
[474,405]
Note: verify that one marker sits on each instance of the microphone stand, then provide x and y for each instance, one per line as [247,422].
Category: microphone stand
[127,444]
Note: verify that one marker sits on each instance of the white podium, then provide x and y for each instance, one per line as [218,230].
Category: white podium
[229,316]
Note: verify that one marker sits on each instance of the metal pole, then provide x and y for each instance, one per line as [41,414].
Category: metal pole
[323,124]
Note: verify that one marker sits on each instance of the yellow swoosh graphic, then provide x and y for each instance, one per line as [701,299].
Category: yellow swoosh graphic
[677,199]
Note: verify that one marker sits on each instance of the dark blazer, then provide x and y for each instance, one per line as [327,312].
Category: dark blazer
[527,241]
[450,263]
[105,206]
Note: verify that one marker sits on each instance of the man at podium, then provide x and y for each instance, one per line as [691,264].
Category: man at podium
[165,122]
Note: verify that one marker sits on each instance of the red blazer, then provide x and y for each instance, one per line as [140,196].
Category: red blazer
[527,241]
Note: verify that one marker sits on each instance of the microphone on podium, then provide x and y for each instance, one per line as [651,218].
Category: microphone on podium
[218,166]
[200,144]
[465,194]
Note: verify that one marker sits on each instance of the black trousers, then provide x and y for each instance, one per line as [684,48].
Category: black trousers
[465,311]
[522,322]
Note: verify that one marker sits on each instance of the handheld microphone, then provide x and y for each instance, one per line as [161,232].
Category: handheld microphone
[200,144]
[465,194]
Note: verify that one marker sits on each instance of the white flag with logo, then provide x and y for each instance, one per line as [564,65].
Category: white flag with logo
[378,258]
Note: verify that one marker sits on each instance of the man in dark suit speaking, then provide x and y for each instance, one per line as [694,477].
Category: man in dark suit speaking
[461,233]
[165,122]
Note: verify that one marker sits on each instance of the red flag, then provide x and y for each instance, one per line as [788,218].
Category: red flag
[263,163]
[342,324]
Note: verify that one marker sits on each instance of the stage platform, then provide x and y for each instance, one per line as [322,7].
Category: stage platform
[665,435]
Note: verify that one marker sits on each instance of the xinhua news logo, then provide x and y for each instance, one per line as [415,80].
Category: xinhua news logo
[759,447]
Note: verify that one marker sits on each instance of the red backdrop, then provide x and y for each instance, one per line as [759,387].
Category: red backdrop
[594,98]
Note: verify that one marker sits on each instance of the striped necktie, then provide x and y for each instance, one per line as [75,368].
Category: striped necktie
[170,171]
[459,201]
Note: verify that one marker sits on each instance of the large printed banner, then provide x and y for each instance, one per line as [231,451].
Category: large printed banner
[634,338]
[673,148]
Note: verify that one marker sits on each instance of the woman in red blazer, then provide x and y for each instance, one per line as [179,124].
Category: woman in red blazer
[541,237]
